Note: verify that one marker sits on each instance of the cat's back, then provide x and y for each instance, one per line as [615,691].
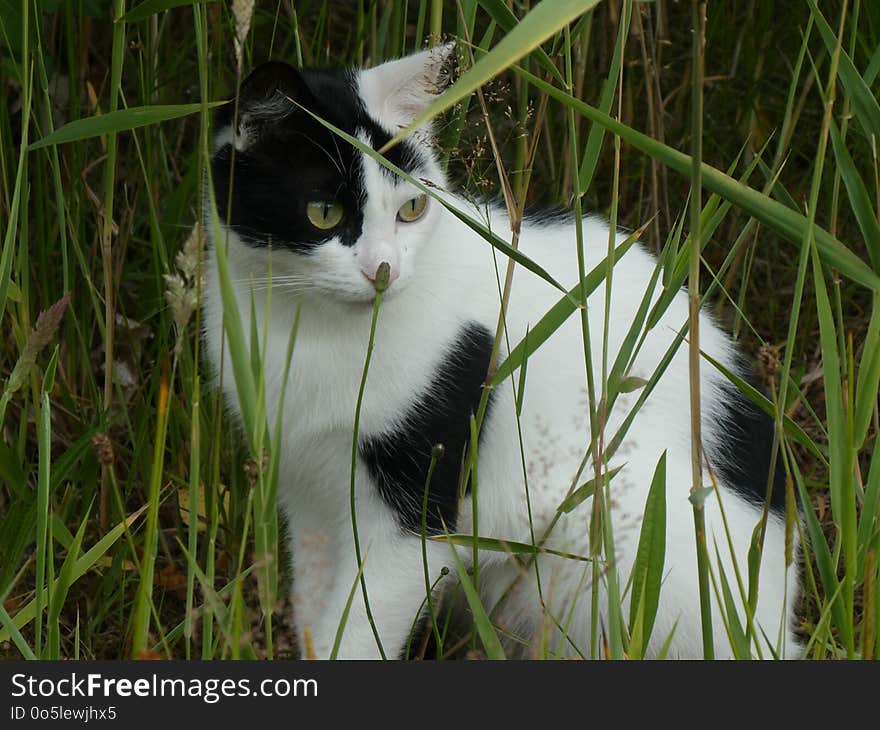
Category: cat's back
[550,240]
[555,401]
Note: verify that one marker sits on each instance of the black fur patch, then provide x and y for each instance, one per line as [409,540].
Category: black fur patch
[549,216]
[742,461]
[399,461]
[421,631]
[294,159]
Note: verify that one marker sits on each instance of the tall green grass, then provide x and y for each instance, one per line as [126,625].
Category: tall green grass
[135,521]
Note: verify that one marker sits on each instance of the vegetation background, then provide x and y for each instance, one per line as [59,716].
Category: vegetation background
[134,519]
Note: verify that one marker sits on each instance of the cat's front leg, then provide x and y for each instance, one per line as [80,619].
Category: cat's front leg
[394,578]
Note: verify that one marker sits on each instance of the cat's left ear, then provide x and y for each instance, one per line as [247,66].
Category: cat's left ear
[396,92]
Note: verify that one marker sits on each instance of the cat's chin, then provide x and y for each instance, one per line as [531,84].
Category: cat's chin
[369,300]
[367,295]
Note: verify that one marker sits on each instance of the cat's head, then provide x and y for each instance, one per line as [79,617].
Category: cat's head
[326,213]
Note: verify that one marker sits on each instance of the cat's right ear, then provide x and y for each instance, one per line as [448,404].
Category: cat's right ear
[269,94]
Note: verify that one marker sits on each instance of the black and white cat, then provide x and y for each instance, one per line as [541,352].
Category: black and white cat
[327,215]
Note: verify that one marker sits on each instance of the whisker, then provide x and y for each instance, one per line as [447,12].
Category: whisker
[271,279]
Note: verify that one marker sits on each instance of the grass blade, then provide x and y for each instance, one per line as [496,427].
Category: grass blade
[739,642]
[868,382]
[343,620]
[84,564]
[865,105]
[558,314]
[869,530]
[843,505]
[12,222]
[118,121]
[507,21]
[776,216]
[755,396]
[509,547]
[151,7]
[60,590]
[238,349]
[647,572]
[12,631]
[483,624]
[538,25]
[584,492]
[597,132]
[143,600]
[859,199]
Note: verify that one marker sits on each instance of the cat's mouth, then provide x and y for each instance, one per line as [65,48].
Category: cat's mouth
[359,297]
[388,295]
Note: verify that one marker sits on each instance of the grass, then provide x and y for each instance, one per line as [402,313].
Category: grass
[137,521]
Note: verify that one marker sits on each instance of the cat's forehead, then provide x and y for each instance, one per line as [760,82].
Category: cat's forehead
[342,96]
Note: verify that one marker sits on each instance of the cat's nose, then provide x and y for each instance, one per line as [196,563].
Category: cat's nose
[373,253]
[371,274]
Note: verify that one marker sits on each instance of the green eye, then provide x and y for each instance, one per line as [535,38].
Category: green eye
[324,214]
[413,209]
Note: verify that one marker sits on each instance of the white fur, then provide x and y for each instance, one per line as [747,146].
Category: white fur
[396,92]
[446,277]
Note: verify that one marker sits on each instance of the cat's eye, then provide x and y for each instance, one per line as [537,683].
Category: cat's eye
[413,209]
[324,214]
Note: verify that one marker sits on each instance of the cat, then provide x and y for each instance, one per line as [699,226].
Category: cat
[323,216]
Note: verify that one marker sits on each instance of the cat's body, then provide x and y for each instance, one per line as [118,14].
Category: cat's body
[433,341]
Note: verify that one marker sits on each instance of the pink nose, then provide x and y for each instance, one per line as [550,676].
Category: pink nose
[371,275]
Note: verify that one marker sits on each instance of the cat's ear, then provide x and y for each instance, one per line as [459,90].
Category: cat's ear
[274,84]
[270,93]
[396,92]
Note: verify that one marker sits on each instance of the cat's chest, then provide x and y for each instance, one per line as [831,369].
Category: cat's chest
[407,407]
[333,374]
